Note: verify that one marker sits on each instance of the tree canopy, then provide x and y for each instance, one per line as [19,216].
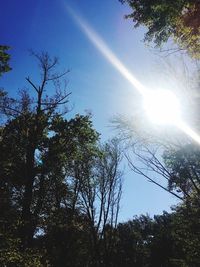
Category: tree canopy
[59,187]
[179,20]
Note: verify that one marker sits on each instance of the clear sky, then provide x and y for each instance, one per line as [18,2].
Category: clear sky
[45,25]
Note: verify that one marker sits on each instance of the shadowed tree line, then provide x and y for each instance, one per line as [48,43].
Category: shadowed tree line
[60,188]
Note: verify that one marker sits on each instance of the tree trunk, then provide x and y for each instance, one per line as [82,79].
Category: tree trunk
[27,218]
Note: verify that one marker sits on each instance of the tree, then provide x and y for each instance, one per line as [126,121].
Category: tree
[67,239]
[165,19]
[144,148]
[4,59]
[183,166]
[26,144]
[77,231]
[168,160]
[133,239]
[185,231]
[96,184]
[167,240]
[60,189]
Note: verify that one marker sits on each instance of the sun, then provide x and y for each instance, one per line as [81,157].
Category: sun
[162,107]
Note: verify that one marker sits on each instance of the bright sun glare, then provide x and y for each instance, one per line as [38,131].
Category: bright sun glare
[162,107]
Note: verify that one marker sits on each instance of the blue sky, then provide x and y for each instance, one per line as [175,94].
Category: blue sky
[45,25]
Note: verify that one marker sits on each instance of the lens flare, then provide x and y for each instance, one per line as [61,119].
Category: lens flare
[162,107]
[187,130]
[106,51]
[159,109]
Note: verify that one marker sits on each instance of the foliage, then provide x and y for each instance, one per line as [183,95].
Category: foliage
[12,256]
[4,59]
[172,163]
[60,190]
[183,165]
[165,19]
[59,187]
[166,240]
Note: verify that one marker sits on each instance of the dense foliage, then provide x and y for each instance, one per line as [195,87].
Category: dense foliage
[59,187]
[60,190]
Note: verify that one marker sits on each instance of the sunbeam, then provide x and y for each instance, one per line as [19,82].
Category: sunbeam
[100,44]
[187,130]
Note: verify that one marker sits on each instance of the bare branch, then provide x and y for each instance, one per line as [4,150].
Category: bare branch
[56,77]
[32,84]
[138,171]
